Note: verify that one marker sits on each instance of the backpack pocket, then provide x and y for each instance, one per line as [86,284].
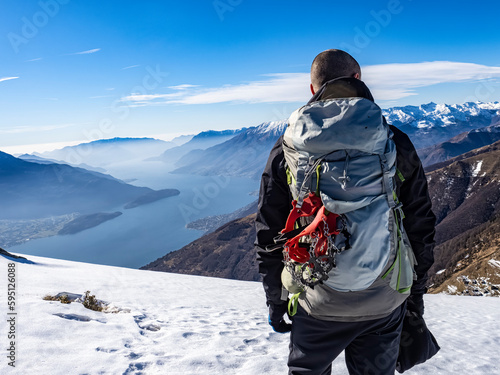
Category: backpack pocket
[289,283]
[402,272]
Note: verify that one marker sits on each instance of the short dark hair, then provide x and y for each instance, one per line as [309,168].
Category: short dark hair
[330,64]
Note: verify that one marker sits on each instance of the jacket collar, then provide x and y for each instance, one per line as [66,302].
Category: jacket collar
[342,87]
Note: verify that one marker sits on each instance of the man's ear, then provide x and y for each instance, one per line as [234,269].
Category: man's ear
[312,89]
[356,76]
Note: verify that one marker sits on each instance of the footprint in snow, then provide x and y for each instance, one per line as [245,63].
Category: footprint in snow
[251,341]
[187,335]
[80,318]
[136,368]
[99,349]
[133,355]
[149,326]
[153,327]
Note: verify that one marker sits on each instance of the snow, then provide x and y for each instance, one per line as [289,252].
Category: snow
[440,271]
[452,289]
[469,188]
[424,124]
[441,115]
[494,263]
[273,127]
[181,324]
[443,109]
[491,105]
[449,121]
[477,168]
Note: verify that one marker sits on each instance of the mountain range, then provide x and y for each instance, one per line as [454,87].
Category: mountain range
[459,144]
[433,123]
[454,183]
[243,152]
[41,160]
[181,155]
[105,152]
[32,190]
[243,155]
[246,154]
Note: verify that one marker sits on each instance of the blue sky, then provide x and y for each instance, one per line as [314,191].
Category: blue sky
[73,71]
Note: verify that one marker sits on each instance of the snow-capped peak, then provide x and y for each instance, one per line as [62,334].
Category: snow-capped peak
[272,127]
[440,115]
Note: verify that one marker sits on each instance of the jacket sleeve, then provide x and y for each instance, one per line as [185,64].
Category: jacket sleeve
[419,221]
[273,209]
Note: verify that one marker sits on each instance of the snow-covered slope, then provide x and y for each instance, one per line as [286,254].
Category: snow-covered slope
[178,324]
[270,128]
[432,123]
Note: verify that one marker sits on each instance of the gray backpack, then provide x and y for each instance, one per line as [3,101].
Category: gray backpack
[346,226]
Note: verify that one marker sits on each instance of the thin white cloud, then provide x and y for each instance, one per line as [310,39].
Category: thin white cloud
[396,81]
[140,100]
[86,52]
[37,59]
[283,87]
[387,82]
[183,87]
[130,67]
[7,78]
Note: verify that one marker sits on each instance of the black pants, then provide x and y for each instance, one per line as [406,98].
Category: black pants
[371,347]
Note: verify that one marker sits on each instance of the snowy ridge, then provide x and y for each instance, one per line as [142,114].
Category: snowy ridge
[273,128]
[180,324]
[439,115]
[477,168]
[488,129]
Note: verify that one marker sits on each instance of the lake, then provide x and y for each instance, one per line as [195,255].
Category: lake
[145,233]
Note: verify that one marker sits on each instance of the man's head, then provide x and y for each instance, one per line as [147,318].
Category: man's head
[330,64]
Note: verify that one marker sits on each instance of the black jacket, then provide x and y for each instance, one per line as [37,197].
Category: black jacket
[275,204]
